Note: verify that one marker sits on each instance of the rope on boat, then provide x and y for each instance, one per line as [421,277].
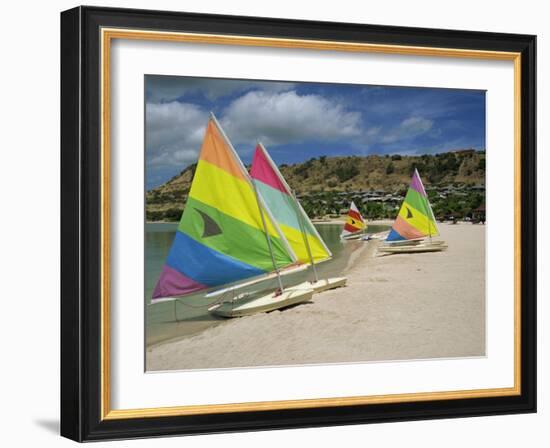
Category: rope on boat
[206,305]
[223,298]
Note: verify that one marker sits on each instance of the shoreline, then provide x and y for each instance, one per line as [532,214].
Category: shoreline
[332,221]
[403,306]
[376,222]
[361,256]
[363,252]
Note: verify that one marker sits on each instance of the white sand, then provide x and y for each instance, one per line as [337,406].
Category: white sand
[405,306]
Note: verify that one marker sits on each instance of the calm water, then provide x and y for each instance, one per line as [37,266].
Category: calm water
[169,320]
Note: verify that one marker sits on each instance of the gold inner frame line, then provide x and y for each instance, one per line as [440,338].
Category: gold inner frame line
[107,35]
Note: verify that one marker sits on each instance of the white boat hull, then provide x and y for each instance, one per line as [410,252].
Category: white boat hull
[263,278]
[403,243]
[413,243]
[416,248]
[269,302]
[321,285]
[352,236]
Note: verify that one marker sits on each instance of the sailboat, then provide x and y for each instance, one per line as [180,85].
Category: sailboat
[414,223]
[355,226]
[226,235]
[291,218]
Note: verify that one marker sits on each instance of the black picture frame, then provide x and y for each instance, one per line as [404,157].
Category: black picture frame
[81,381]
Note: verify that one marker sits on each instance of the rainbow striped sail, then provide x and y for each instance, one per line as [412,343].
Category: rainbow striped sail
[415,219]
[291,218]
[354,222]
[221,237]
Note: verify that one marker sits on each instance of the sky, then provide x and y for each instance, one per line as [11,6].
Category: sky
[298,121]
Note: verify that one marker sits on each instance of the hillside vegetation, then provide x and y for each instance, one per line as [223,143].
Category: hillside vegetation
[455,181]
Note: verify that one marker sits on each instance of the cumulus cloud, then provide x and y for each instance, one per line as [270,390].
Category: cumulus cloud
[416,125]
[409,128]
[169,88]
[286,117]
[174,133]
[174,130]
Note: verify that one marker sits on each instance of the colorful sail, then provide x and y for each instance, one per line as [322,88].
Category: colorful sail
[220,238]
[354,221]
[291,218]
[415,219]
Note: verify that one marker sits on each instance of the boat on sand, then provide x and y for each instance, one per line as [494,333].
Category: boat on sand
[293,221]
[355,227]
[415,227]
[248,304]
[229,237]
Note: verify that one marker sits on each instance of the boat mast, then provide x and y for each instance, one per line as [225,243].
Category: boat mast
[299,212]
[259,197]
[260,208]
[299,206]
[268,237]
[304,236]
[427,212]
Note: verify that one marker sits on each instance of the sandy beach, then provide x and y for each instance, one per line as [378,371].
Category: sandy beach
[397,307]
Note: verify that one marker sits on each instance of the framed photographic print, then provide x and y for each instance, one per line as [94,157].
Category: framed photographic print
[275,224]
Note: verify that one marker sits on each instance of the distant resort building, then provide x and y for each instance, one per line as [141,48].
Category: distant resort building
[334,203]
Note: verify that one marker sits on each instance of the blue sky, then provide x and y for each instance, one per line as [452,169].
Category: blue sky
[298,121]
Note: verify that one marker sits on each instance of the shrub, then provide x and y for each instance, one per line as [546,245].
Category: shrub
[481,164]
[173,214]
[153,216]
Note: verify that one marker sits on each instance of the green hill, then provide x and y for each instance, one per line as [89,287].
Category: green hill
[325,184]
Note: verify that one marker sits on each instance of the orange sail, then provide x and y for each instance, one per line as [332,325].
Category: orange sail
[221,237]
